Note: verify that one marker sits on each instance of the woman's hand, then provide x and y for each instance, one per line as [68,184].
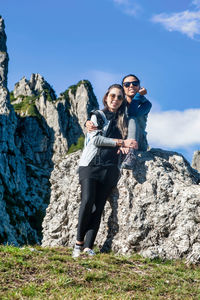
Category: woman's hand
[130,143]
[123,150]
[125,145]
[142,91]
[90,126]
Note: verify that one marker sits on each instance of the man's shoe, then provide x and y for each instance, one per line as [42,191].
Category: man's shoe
[129,161]
[89,252]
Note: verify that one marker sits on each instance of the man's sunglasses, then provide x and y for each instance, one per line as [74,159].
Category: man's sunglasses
[135,83]
[113,96]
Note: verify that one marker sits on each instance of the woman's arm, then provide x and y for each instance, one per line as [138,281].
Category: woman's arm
[96,138]
[102,141]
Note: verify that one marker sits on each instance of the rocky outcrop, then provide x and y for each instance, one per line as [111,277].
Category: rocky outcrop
[3,55]
[57,123]
[154,210]
[196,160]
[33,87]
[35,131]
[12,167]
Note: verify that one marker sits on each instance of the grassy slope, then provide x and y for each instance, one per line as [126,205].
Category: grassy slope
[51,273]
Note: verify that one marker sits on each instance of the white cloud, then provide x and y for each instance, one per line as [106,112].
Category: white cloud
[156,106]
[187,22]
[129,7]
[196,3]
[174,129]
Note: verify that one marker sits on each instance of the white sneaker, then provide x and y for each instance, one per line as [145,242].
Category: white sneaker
[77,251]
[89,252]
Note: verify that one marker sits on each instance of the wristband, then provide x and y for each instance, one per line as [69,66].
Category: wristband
[120,143]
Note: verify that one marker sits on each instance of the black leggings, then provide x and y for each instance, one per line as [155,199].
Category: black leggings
[93,198]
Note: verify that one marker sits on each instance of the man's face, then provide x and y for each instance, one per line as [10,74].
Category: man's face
[129,88]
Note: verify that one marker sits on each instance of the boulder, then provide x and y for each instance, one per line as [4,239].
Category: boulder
[153,211]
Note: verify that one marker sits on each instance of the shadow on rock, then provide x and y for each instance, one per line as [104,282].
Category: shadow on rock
[113,226]
[140,169]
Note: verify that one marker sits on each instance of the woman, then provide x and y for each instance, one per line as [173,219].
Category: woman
[98,167]
[138,108]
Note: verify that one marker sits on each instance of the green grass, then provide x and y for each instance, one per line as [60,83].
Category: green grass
[51,273]
[27,106]
[78,146]
[50,95]
[73,88]
[12,98]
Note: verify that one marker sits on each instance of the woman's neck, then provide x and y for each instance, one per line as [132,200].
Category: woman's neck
[111,110]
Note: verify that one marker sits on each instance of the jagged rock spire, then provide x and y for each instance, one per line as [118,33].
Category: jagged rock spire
[196,160]
[3,55]
[32,87]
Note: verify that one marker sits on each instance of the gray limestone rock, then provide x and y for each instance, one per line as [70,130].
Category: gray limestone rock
[22,197]
[153,211]
[196,160]
[33,87]
[3,55]
[46,127]
[36,130]
[58,123]
[16,205]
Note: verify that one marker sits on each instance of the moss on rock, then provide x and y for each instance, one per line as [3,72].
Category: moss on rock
[12,98]
[73,88]
[78,146]
[27,106]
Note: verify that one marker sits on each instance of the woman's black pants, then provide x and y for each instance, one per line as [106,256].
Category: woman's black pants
[93,198]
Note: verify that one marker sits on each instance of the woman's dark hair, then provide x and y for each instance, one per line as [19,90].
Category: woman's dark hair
[129,76]
[117,86]
[122,122]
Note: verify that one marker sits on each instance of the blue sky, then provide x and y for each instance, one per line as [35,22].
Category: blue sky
[159,41]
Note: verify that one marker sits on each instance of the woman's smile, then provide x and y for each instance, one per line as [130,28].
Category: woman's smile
[114,99]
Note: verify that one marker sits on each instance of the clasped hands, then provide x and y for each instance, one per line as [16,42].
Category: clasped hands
[128,143]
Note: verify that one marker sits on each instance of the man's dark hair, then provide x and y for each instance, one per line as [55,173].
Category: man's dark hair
[129,76]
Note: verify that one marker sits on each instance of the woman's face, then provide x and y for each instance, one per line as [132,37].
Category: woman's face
[130,89]
[114,99]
